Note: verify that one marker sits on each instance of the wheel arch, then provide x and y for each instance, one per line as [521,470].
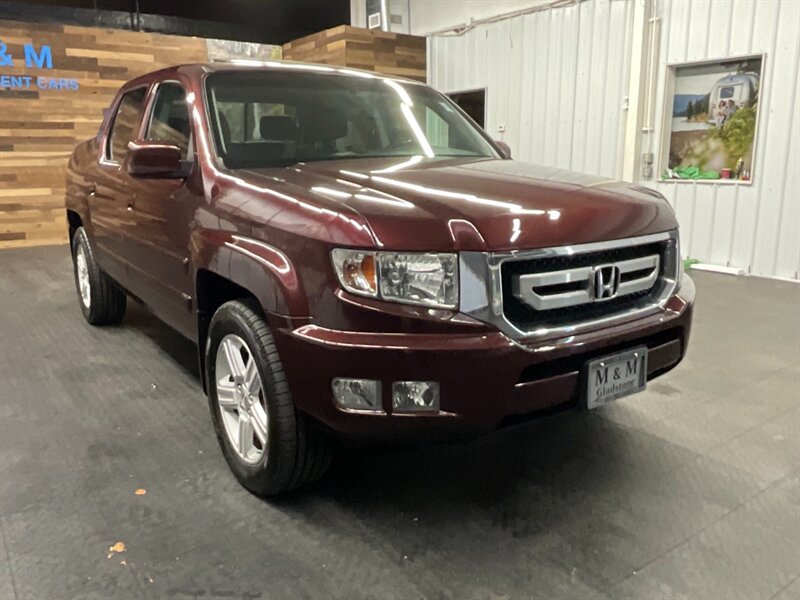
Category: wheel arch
[232,267]
[74,221]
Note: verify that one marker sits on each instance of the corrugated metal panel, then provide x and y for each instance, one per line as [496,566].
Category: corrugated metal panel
[556,79]
[754,227]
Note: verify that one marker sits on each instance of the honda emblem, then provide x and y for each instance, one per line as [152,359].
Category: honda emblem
[606,281]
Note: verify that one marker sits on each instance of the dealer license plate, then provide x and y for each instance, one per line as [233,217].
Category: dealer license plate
[615,376]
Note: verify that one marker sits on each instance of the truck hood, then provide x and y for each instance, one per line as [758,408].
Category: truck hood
[468,204]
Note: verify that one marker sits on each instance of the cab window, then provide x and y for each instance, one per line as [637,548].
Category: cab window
[169,121]
[124,125]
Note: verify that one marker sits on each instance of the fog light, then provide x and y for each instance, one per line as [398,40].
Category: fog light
[357,394]
[413,396]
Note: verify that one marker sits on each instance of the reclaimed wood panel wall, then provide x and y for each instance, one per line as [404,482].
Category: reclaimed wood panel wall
[40,127]
[370,49]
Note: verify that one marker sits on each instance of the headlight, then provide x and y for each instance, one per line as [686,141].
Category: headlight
[426,279]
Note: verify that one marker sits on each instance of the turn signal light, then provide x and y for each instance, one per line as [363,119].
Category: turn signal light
[356,271]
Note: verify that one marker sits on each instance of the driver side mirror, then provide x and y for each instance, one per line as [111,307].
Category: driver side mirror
[154,160]
[504,148]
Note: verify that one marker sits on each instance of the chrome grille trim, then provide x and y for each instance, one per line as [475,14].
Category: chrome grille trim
[531,288]
[481,285]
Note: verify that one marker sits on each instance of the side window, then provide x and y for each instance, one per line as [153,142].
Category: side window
[169,121]
[125,122]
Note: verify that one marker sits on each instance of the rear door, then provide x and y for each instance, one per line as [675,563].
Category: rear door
[111,201]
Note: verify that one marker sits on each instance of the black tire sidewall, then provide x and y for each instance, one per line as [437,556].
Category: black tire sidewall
[106,299]
[274,469]
[80,240]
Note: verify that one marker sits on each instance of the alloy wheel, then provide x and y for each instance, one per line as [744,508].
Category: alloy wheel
[84,285]
[241,399]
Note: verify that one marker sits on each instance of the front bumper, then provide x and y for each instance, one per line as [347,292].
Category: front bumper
[486,379]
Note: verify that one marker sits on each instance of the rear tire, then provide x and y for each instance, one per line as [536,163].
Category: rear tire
[269,447]
[102,301]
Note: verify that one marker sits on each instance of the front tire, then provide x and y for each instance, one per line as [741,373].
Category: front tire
[269,447]
[102,301]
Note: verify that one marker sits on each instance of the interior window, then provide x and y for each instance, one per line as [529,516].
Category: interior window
[125,122]
[169,122]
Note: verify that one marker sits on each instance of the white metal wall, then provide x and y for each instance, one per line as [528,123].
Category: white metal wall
[432,15]
[420,17]
[557,80]
[753,227]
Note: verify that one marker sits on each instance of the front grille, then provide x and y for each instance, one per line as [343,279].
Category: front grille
[575,304]
[575,362]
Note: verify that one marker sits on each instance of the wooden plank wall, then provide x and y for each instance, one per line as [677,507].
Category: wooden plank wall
[370,49]
[39,128]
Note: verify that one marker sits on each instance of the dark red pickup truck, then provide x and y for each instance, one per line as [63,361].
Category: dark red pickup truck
[355,257]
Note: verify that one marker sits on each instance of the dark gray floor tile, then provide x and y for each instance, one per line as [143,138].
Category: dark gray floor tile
[751,552]
[768,452]
[688,490]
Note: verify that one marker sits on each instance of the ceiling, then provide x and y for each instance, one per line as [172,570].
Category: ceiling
[267,21]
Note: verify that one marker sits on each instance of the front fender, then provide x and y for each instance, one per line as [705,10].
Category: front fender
[263,270]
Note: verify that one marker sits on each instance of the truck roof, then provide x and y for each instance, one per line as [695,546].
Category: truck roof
[199,69]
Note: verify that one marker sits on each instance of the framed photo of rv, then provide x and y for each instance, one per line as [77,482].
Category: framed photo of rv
[711,120]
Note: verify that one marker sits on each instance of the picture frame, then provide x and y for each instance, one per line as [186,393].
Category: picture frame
[710,120]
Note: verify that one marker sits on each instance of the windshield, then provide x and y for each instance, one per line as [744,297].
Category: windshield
[277,118]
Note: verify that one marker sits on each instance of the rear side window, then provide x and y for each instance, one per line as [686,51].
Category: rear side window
[124,124]
[169,121]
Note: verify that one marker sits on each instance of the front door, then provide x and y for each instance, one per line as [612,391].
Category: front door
[163,212]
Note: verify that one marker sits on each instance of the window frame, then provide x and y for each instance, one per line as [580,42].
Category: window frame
[106,154]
